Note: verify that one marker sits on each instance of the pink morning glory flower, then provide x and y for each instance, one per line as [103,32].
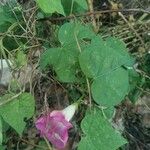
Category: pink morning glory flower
[55,125]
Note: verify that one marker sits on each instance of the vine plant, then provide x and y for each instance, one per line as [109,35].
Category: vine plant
[83,58]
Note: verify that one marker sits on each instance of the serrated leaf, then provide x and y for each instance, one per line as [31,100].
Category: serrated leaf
[15,111]
[51,6]
[100,58]
[109,90]
[99,134]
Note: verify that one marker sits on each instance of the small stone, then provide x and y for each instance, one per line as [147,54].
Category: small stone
[5,72]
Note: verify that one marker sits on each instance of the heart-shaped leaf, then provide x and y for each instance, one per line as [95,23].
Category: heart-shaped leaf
[99,134]
[51,6]
[15,111]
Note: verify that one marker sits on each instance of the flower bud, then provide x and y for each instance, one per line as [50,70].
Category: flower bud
[55,125]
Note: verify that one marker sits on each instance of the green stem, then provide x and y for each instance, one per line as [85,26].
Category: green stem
[87,80]
[79,100]
[89,91]
[48,145]
[71,7]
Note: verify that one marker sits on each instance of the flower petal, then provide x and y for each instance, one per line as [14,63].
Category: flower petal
[69,111]
[55,125]
[58,137]
[41,124]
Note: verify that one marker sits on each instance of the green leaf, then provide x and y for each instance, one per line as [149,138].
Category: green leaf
[6,15]
[99,134]
[120,47]
[51,6]
[100,57]
[135,81]
[2,147]
[49,57]
[70,31]
[67,6]
[110,89]
[82,3]
[146,64]
[15,111]
[76,6]
[67,63]
[21,59]
[41,144]
[6,18]
[64,60]
[1,132]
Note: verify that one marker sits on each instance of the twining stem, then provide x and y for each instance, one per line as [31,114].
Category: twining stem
[87,80]
[72,3]
[79,101]
[77,42]
[89,91]
[29,143]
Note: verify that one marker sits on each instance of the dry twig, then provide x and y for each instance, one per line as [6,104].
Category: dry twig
[131,27]
[92,13]
[91,9]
